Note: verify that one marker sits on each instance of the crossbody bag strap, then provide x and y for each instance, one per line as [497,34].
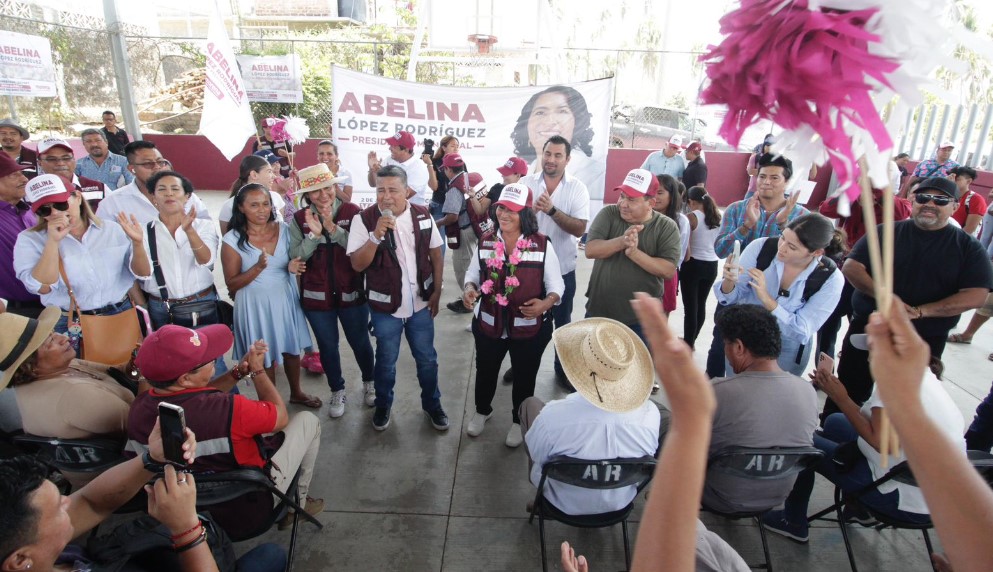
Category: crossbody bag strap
[73,306]
[156,269]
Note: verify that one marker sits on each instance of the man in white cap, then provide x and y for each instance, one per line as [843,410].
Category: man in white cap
[667,161]
[634,248]
[609,416]
[12,138]
[939,166]
[402,155]
[55,157]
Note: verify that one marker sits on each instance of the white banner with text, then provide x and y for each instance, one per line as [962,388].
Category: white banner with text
[26,66]
[274,79]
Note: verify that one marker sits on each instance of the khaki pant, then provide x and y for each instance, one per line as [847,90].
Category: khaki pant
[530,408]
[462,258]
[299,450]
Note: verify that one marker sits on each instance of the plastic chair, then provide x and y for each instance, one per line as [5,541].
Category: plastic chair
[982,461]
[771,464]
[241,502]
[594,475]
[74,455]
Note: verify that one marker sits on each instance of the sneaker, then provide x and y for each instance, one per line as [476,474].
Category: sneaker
[313,507]
[369,392]
[514,436]
[858,515]
[337,406]
[381,418]
[458,307]
[775,521]
[312,363]
[476,424]
[508,377]
[438,419]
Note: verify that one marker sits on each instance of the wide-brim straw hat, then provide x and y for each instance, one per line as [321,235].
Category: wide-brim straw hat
[20,336]
[606,362]
[316,177]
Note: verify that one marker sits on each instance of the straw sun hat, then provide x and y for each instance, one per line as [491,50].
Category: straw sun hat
[606,362]
[316,177]
[20,337]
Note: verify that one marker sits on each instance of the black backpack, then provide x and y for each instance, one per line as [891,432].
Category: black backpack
[817,278]
[144,544]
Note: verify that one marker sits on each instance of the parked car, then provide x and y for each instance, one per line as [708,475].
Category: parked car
[650,127]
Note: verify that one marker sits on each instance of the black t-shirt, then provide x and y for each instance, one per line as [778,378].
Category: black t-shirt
[116,141]
[695,173]
[928,265]
[494,194]
[438,196]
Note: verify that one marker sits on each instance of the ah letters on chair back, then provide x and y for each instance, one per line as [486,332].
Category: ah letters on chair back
[606,474]
[763,463]
[79,455]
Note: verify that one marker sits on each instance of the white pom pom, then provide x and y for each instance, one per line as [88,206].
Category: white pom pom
[297,129]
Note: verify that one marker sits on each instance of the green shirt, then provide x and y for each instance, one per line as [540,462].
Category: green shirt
[615,279]
[302,247]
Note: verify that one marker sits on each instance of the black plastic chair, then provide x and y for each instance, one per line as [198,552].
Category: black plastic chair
[594,475]
[74,455]
[241,502]
[982,461]
[771,464]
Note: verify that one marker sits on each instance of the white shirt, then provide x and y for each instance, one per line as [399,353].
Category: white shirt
[942,411]
[183,275]
[570,197]
[347,175]
[702,243]
[130,200]
[417,178]
[894,177]
[576,428]
[684,236]
[278,204]
[410,301]
[98,267]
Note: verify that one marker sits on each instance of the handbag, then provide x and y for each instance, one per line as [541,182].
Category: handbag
[191,314]
[108,340]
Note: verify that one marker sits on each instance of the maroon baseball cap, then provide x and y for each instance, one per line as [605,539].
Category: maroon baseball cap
[514,166]
[172,351]
[452,160]
[8,165]
[694,147]
[475,180]
[402,139]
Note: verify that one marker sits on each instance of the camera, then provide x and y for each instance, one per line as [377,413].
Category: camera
[429,147]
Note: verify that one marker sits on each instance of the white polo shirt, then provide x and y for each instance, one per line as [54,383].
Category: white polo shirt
[571,197]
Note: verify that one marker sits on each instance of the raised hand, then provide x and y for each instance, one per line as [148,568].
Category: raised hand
[131,226]
[58,225]
[313,222]
[188,219]
[544,203]
[783,216]
[373,161]
[752,212]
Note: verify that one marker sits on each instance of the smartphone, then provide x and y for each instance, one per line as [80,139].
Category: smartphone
[825,363]
[172,422]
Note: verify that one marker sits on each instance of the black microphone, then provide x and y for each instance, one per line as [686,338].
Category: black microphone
[391,241]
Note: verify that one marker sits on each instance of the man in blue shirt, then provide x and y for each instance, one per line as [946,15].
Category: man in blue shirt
[668,161]
[100,164]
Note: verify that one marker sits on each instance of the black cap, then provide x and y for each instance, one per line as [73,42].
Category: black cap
[942,184]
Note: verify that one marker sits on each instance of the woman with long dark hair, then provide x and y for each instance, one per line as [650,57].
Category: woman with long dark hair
[670,203]
[252,169]
[257,270]
[517,281]
[805,248]
[558,110]
[447,146]
[699,269]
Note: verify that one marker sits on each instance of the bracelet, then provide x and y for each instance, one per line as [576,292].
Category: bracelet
[201,247]
[150,464]
[176,537]
[374,240]
[920,311]
[552,211]
[253,374]
[236,373]
[196,542]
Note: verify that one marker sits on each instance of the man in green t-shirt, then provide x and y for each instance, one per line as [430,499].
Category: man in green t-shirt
[635,249]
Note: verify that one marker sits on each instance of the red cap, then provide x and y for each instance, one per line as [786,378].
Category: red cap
[452,160]
[694,147]
[172,351]
[514,166]
[8,165]
[639,183]
[47,189]
[475,180]
[402,139]
[515,197]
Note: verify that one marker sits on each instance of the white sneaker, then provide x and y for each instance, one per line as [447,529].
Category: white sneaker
[476,424]
[337,406]
[369,389]
[514,436]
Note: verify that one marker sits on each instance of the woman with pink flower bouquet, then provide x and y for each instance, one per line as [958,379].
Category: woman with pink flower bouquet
[516,282]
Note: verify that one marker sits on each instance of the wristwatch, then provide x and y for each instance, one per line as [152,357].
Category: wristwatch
[313,236]
[151,465]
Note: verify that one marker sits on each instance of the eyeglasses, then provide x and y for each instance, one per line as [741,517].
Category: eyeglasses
[45,210]
[201,366]
[56,160]
[152,164]
[939,201]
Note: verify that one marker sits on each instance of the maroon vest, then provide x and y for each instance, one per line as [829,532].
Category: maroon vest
[329,281]
[384,276]
[93,191]
[494,319]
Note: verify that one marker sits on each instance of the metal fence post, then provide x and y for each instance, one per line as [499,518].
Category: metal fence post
[122,68]
[977,157]
[929,130]
[970,124]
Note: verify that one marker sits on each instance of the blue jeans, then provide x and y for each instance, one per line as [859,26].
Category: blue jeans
[838,430]
[160,317]
[355,323]
[562,314]
[268,557]
[715,357]
[419,330]
[979,437]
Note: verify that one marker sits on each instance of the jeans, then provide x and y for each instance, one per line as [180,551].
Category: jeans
[355,323]
[525,357]
[562,314]
[419,330]
[160,317]
[715,357]
[268,557]
[838,430]
[827,336]
[979,437]
[696,277]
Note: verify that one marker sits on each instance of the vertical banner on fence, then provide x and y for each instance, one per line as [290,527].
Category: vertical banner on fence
[273,79]
[26,66]
[226,119]
[491,124]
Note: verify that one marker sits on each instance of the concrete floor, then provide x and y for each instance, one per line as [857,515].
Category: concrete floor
[414,499]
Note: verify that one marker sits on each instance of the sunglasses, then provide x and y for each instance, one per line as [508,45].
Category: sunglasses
[938,200]
[45,210]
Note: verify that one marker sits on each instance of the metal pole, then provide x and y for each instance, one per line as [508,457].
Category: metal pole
[930,129]
[983,134]
[906,131]
[12,108]
[415,46]
[955,124]
[917,131]
[122,68]
[970,124]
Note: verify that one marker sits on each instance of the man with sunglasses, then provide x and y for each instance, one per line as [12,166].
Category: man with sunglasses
[144,160]
[15,216]
[55,157]
[938,271]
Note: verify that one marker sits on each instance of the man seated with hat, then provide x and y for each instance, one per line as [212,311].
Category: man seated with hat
[609,416]
[179,363]
[12,138]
